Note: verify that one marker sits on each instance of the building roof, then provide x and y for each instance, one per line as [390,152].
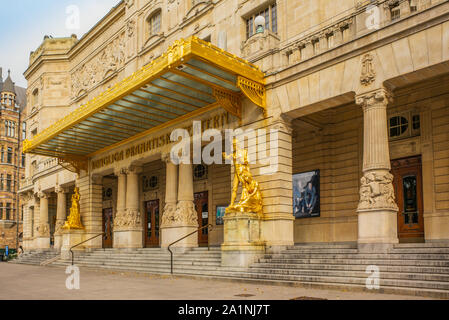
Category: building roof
[9,86]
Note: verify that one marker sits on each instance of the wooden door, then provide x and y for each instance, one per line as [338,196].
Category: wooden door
[108,218]
[152,223]
[408,189]
[202,208]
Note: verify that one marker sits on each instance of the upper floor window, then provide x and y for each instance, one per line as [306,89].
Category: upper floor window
[1,183]
[23,160]
[404,125]
[270,15]
[395,10]
[8,182]
[34,97]
[154,23]
[10,128]
[9,155]
[24,130]
[8,211]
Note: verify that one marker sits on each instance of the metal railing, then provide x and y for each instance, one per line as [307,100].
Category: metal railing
[71,252]
[186,236]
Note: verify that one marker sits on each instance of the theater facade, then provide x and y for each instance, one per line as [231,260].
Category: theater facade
[348,120]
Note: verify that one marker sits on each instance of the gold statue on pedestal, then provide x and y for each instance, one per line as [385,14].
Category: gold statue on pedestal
[251,198]
[74,219]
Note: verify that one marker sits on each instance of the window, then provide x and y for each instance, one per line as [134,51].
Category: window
[3,155]
[404,125]
[270,15]
[200,172]
[154,23]
[23,160]
[1,183]
[8,211]
[9,155]
[21,213]
[395,11]
[8,182]
[413,5]
[150,182]
[1,211]
[24,130]
[10,128]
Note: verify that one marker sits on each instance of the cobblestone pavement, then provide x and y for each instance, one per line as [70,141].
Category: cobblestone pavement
[48,283]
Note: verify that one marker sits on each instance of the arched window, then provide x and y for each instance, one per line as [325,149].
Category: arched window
[34,97]
[154,23]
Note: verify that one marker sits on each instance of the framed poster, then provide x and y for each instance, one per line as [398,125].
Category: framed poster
[220,214]
[306,194]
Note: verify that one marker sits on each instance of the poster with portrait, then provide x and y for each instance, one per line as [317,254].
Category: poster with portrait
[306,194]
[220,214]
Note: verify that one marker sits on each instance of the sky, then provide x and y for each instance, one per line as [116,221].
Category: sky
[24,23]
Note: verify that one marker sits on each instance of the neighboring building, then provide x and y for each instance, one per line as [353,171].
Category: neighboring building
[352,101]
[12,163]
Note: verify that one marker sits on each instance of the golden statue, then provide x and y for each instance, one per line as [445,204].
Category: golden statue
[74,219]
[251,198]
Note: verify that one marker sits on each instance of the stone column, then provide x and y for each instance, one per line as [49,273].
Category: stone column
[186,217]
[168,227]
[43,240]
[61,215]
[127,223]
[377,210]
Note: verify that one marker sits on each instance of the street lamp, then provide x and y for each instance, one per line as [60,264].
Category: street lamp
[260,24]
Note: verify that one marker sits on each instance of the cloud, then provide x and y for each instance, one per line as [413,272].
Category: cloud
[29,21]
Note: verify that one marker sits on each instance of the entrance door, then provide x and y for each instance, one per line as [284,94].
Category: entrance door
[108,218]
[152,223]
[408,189]
[202,208]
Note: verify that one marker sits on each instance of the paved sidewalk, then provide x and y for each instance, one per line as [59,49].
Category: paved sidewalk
[49,283]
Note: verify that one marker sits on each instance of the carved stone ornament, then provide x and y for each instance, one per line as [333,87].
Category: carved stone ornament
[93,72]
[185,215]
[368,73]
[380,96]
[127,220]
[129,3]
[43,230]
[377,192]
[58,227]
[168,218]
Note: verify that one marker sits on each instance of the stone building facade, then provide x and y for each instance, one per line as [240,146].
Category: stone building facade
[354,90]
[12,160]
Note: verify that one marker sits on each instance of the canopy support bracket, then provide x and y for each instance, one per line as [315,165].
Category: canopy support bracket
[254,91]
[229,101]
[73,165]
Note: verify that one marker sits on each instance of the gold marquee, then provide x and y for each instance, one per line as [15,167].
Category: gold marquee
[190,78]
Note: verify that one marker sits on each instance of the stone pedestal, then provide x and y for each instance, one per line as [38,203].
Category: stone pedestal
[71,238]
[242,239]
[173,233]
[128,239]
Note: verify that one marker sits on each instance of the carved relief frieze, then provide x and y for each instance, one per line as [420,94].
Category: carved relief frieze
[377,192]
[93,72]
[368,73]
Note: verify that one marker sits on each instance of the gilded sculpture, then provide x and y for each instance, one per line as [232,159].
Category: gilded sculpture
[74,219]
[251,198]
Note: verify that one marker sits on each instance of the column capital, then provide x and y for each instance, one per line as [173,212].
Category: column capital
[282,122]
[119,171]
[133,169]
[43,195]
[59,189]
[378,97]
[96,179]
[165,157]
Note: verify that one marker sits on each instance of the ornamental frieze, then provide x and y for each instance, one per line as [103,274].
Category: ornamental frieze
[97,69]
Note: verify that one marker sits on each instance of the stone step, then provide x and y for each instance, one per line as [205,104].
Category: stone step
[143,259]
[323,246]
[354,273]
[147,262]
[353,267]
[422,245]
[432,263]
[298,255]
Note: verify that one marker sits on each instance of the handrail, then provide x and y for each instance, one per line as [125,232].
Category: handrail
[71,252]
[197,230]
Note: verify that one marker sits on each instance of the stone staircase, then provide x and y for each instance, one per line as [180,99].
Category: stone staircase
[412,269]
[36,257]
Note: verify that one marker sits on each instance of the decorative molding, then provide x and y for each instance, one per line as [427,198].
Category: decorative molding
[368,73]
